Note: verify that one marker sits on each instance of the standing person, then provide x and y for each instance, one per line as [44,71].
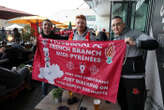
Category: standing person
[132,93]
[47,32]
[17,35]
[3,34]
[102,35]
[81,32]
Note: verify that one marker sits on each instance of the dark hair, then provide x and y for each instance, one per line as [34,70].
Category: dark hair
[102,36]
[47,20]
[15,29]
[117,17]
[104,30]
[17,35]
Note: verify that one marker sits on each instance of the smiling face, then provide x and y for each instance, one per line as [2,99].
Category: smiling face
[117,26]
[80,25]
[46,26]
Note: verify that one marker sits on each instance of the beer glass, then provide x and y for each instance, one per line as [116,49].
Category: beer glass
[70,93]
[96,103]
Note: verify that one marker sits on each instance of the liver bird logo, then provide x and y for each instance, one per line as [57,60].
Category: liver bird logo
[109,53]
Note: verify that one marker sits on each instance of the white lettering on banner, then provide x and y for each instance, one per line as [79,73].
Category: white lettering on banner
[87,52]
[87,84]
[96,45]
[85,58]
[61,54]
[72,44]
[69,79]
[62,48]
[82,88]
[96,80]
[99,92]
[95,92]
[77,44]
[88,78]
[86,89]
[104,87]
[69,85]
[78,76]
[70,74]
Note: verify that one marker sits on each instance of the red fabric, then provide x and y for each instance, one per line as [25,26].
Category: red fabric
[35,29]
[91,68]
[71,36]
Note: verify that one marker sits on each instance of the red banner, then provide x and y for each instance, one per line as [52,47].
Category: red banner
[91,68]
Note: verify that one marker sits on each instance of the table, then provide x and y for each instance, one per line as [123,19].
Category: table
[48,103]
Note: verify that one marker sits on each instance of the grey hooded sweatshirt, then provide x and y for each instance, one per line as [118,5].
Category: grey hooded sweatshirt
[134,65]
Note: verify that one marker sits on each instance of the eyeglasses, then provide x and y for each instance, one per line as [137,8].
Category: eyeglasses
[117,24]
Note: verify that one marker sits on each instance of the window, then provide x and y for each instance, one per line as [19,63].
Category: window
[140,17]
[91,18]
[127,10]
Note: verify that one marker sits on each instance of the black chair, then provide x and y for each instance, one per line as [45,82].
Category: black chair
[15,57]
[12,82]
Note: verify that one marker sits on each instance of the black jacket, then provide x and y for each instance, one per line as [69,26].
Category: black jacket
[53,36]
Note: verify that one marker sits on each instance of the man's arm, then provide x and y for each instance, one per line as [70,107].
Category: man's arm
[143,41]
[146,42]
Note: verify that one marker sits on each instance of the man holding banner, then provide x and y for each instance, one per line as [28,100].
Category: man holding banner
[81,32]
[80,64]
[132,93]
[47,33]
